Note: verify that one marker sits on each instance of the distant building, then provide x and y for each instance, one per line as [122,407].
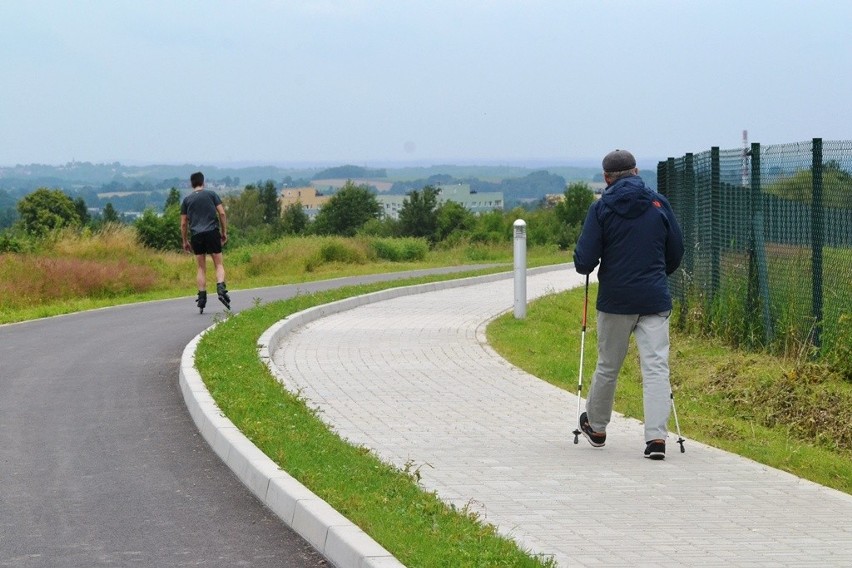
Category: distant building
[551,199]
[476,202]
[392,204]
[309,198]
[460,193]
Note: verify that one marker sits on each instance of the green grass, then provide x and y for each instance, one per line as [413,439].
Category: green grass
[784,413]
[413,524]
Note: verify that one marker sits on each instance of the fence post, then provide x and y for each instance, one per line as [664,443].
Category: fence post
[520,251]
[674,190]
[758,245]
[715,220]
[690,230]
[817,241]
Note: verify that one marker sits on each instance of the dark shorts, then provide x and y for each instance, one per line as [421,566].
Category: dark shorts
[208,242]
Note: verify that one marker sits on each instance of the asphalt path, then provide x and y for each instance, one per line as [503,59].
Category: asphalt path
[100,462]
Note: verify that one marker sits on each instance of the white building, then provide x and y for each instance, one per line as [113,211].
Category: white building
[460,193]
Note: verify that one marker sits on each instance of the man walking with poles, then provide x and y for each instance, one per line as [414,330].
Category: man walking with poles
[634,236]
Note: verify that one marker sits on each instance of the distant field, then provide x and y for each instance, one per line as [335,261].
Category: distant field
[111,194]
[321,184]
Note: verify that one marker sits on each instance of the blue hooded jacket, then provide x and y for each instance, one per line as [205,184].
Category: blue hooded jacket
[633,233]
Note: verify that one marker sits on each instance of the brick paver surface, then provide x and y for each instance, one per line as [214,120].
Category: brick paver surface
[414,380]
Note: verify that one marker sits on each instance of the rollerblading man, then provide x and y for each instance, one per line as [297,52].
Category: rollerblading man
[202,216]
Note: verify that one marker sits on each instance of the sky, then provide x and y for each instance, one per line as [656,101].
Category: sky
[385,82]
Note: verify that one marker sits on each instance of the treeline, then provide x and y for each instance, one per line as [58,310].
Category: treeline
[123,196]
[255,217]
[526,191]
[131,190]
[79,174]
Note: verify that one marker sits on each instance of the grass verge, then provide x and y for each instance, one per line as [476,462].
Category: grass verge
[780,412]
[413,524]
[81,272]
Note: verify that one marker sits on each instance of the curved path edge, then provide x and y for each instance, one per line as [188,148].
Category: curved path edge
[342,542]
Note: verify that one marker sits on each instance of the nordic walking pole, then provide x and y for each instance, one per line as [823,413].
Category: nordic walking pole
[680,439]
[582,351]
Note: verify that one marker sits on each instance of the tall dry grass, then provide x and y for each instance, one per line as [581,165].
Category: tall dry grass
[28,281]
[81,270]
[74,265]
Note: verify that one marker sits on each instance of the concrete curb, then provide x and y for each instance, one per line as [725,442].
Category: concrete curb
[342,542]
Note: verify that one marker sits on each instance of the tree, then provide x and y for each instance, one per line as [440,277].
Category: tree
[161,232]
[110,215]
[418,216]
[172,199]
[46,210]
[492,227]
[573,208]
[269,202]
[347,211]
[82,211]
[452,217]
[571,212]
[244,210]
[294,221]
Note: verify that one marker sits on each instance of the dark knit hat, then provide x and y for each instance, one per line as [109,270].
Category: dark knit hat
[618,161]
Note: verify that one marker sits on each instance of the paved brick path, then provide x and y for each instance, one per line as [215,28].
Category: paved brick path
[413,379]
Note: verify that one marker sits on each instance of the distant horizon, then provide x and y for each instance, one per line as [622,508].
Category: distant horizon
[530,163]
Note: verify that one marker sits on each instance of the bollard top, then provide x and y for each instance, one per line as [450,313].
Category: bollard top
[519,223]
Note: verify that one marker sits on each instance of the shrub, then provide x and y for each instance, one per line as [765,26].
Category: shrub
[384,227]
[400,250]
[8,243]
[808,399]
[340,251]
[336,250]
[414,249]
[160,232]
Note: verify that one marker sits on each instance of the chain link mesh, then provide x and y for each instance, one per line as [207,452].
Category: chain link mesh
[768,235]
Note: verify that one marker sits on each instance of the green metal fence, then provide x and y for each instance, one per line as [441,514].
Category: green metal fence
[768,234]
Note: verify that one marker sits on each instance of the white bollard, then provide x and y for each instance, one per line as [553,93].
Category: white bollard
[520,269]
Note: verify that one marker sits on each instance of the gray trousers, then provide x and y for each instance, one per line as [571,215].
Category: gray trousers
[652,339]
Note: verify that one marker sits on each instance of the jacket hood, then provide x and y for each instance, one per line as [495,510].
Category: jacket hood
[628,197]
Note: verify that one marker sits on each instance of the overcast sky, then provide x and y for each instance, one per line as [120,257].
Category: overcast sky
[381,82]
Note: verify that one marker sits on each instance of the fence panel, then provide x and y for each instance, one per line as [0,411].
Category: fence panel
[768,236]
